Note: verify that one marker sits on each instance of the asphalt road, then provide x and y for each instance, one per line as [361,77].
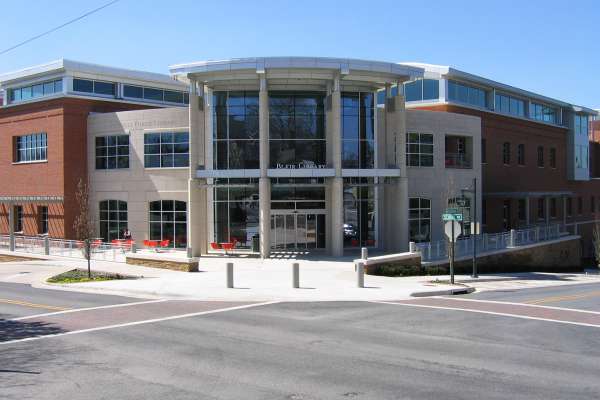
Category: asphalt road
[334,350]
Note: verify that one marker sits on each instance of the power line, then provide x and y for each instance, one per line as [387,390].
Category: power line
[58,27]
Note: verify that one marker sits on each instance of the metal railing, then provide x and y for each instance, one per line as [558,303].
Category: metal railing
[486,242]
[458,160]
[66,248]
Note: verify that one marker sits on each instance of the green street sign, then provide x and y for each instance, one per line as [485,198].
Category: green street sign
[452,217]
[451,210]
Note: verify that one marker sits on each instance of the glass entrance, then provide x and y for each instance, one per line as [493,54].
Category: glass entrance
[297,231]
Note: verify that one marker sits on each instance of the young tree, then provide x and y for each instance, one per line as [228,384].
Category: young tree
[83,225]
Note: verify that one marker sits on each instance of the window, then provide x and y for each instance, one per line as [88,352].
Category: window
[540,156]
[419,149]
[113,219]
[296,194]
[358,130]
[360,212]
[581,156]
[236,211]
[43,219]
[166,150]
[542,112]
[297,130]
[521,154]
[580,205]
[154,94]
[509,105]
[422,89]
[522,210]
[552,157]
[581,124]
[18,215]
[419,219]
[97,87]
[235,130]
[30,148]
[32,91]
[483,212]
[569,206]
[168,222]
[553,207]
[466,94]
[483,151]
[112,152]
[592,204]
[506,215]
[541,208]
[506,153]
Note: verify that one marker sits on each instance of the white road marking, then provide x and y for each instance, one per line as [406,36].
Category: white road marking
[147,321]
[87,309]
[522,304]
[489,312]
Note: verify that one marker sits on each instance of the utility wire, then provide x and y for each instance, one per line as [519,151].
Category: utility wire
[58,27]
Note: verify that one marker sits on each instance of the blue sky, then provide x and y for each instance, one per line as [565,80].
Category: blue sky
[549,47]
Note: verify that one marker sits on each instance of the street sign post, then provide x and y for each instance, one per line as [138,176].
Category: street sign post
[453,230]
[452,217]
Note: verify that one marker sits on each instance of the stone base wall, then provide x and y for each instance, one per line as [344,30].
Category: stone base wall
[185,266]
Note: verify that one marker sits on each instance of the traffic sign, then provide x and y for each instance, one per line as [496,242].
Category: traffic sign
[452,217]
[453,230]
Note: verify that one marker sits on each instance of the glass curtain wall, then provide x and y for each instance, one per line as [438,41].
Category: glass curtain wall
[296,129]
[360,217]
[235,130]
[235,211]
[358,132]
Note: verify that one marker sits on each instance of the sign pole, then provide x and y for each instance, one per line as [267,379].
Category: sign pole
[475,230]
[452,256]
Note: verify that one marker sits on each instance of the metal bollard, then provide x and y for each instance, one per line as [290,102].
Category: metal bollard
[513,238]
[46,246]
[230,275]
[360,275]
[296,275]
[364,253]
[11,241]
[133,248]
[412,247]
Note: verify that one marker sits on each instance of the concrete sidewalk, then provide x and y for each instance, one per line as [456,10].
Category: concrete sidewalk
[267,280]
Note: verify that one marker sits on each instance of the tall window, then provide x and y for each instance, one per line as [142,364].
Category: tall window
[510,105]
[358,132]
[419,149]
[553,207]
[297,129]
[540,156]
[235,211]
[18,223]
[112,152]
[541,208]
[552,157]
[522,210]
[506,215]
[580,205]
[483,151]
[113,219]
[542,112]
[521,154]
[569,206]
[466,94]
[166,150]
[592,204]
[359,212]
[506,153]
[31,148]
[422,89]
[43,219]
[581,124]
[235,132]
[419,219]
[168,222]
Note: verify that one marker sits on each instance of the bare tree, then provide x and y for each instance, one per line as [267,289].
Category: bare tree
[83,225]
[596,243]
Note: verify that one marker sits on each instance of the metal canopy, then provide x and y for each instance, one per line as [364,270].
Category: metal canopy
[31,199]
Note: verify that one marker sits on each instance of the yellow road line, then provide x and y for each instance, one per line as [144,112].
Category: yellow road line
[564,298]
[33,305]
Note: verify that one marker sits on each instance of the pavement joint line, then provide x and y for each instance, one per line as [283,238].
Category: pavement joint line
[518,304]
[565,297]
[67,311]
[33,305]
[488,312]
[143,322]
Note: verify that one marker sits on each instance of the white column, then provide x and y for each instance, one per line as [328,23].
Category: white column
[196,205]
[402,190]
[337,183]
[264,184]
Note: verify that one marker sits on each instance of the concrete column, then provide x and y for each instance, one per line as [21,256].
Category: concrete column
[264,183]
[400,154]
[196,206]
[11,226]
[337,183]
[527,211]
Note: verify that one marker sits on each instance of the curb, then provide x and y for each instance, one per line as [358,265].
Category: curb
[455,291]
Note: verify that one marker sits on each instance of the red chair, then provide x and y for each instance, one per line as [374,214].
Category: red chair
[354,243]
[215,246]
[165,243]
[227,246]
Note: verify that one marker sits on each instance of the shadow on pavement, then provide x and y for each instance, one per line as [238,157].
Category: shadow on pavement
[533,276]
[14,330]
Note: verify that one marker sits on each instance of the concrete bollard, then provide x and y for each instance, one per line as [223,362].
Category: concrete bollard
[11,243]
[133,248]
[230,275]
[412,247]
[46,245]
[364,253]
[513,238]
[360,275]
[296,275]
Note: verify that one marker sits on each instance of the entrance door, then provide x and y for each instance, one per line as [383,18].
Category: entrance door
[297,231]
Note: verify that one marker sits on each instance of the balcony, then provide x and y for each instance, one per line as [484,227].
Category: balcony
[458,160]
[458,152]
